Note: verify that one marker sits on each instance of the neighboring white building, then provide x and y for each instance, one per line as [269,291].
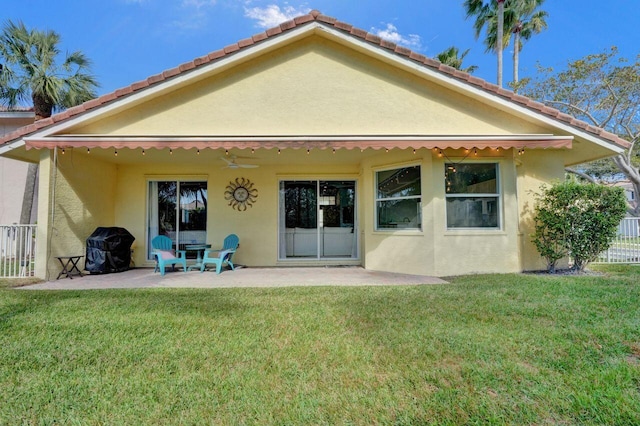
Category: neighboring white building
[13,173]
[629,191]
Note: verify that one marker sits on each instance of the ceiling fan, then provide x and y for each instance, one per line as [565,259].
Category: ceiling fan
[233,164]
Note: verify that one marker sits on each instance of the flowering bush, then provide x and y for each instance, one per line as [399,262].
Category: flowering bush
[576,220]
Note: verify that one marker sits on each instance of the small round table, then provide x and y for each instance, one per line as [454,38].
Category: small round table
[199,249]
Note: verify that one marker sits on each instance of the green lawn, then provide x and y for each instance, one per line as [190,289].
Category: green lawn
[496,349]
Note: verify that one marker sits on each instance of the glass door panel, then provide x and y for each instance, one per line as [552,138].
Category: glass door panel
[337,219]
[177,210]
[192,214]
[300,214]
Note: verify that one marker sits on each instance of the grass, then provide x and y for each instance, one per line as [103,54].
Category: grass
[497,349]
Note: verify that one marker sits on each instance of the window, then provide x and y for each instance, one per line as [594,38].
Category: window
[398,199]
[472,195]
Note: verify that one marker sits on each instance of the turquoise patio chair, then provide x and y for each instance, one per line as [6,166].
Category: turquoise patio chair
[221,256]
[165,255]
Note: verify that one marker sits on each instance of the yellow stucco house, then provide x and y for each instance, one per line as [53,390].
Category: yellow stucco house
[367,154]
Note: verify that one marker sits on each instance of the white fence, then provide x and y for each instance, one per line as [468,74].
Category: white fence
[17,250]
[626,247]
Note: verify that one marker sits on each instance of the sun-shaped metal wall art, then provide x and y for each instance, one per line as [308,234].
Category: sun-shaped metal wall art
[241,194]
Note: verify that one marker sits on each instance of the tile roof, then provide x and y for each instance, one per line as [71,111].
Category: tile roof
[316,16]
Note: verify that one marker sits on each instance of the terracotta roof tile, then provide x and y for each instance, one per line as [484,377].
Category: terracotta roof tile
[125,91]
[303,19]
[326,19]
[274,31]
[62,116]
[43,123]
[373,38]
[259,37]
[316,16]
[343,26]
[186,66]
[447,69]
[388,44]
[170,73]
[476,81]
[288,25]
[402,50]
[155,79]
[245,42]
[417,57]
[431,63]
[231,48]
[461,75]
[201,60]
[140,85]
[359,33]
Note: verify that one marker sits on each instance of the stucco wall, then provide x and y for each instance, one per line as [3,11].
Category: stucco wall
[435,250]
[311,87]
[80,197]
[257,227]
[536,168]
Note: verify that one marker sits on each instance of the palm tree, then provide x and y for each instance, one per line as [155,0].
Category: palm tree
[485,14]
[452,57]
[525,22]
[31,72]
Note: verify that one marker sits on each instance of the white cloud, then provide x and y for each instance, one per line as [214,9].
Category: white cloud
[272,15]
[391,34]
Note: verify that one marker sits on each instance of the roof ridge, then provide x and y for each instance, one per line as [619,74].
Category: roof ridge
[317,16]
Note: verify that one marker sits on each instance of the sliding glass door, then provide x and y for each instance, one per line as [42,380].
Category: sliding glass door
[317,219]
[177,210]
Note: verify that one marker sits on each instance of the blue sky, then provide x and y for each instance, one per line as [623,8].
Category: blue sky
[130,40]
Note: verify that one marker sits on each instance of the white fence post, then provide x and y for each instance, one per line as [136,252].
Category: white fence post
[17,250]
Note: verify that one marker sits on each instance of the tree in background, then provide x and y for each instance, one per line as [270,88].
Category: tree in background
[604,90]
[486,13]
[520,17]
[453,58]
[525,21]
[35,72]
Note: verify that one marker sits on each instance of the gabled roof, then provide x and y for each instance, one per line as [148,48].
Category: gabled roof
[315,16]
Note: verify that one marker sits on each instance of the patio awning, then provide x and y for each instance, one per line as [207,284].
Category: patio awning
[303,142]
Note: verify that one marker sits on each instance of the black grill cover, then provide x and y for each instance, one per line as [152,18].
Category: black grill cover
[108,250]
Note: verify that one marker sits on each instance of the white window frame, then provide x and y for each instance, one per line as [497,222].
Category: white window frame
[409,197]
[497,195]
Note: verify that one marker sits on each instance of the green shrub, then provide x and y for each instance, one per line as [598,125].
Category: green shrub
[576,220]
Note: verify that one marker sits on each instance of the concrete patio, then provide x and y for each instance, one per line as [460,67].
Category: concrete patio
[241,277]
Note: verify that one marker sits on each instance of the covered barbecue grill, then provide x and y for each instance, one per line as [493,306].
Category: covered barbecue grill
[108,250]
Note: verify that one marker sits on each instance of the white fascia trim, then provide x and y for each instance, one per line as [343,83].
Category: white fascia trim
[10,147]
[460,86]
